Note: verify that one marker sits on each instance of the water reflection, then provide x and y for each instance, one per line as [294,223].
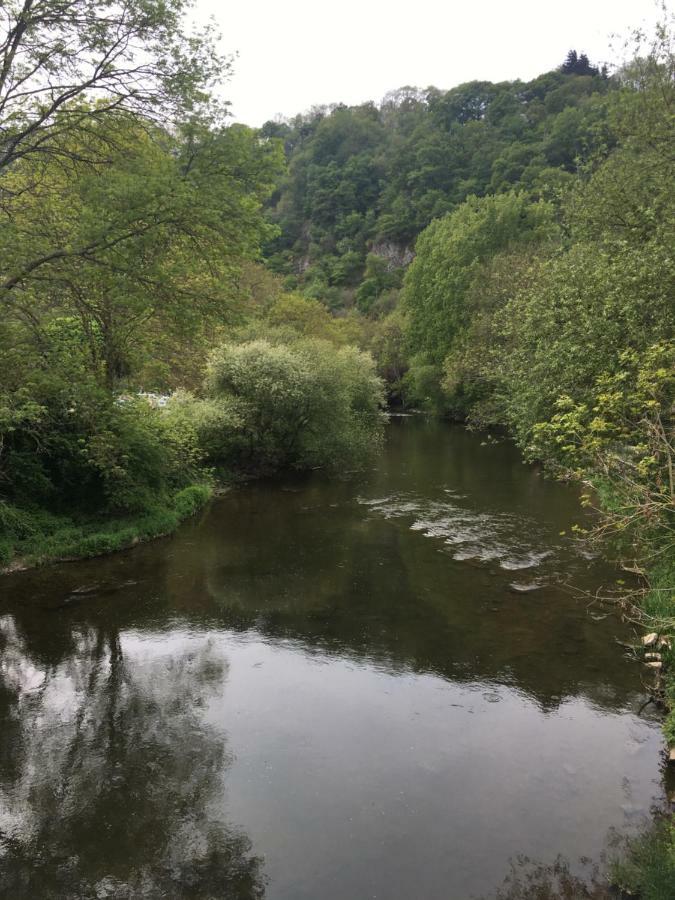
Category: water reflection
[324,689]
[109,771]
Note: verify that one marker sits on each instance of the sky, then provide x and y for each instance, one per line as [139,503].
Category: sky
[298,53]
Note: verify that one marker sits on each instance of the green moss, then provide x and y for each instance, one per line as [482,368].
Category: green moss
[34,538]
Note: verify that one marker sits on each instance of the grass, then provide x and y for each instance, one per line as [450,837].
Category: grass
[37,537]
[659,609]
[647,868]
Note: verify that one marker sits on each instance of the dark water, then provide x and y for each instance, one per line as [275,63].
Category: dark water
[324,690]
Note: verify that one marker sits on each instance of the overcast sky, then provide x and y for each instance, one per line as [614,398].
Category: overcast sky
[297,53]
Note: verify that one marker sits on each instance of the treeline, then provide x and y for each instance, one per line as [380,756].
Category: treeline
[505,252]
[363,181]
[555,317]
[131,219]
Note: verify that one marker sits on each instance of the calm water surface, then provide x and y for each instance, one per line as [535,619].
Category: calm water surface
[324,690]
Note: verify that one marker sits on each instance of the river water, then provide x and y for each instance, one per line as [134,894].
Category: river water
[386,687]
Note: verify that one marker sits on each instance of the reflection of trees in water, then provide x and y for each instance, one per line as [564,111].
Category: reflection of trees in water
[529,880]
[342,581]
[110,777]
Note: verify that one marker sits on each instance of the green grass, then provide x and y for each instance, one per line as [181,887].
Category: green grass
[647,868]
[33,538]
[659,607]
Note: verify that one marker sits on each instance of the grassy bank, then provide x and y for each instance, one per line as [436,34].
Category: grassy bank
[659,612]
[646,867]
[38,537]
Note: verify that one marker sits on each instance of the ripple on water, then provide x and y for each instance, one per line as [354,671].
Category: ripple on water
[513,542]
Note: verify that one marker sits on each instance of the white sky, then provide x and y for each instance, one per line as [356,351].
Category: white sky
[297,53]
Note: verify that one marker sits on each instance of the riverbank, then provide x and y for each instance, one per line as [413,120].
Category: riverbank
[659,619]
[646,868]
[37,538]
[309,614]
[645,865]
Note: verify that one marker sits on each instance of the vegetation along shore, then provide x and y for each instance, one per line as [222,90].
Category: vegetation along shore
[496,253]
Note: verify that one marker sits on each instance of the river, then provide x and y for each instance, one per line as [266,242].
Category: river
[322,689]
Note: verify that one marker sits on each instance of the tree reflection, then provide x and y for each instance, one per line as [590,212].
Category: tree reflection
[110,775]
[529,880]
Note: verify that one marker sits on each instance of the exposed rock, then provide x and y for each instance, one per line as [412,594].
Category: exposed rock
[665,643]
[395,255]
[671,757]
[650,639]
[654,665]
[518,588]
[652,656]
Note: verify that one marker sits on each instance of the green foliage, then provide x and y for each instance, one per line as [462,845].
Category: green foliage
[421,385]
[302,405]
[139,59]
[625,433]
[37,537]
[362,174]
[128,216]
[304,316]
[388,344]
[534,324]
[83,452]
[212,424]
[379,276]
[147,243]
[570,324]
[647,869]
[139,456]
[466,264]
[450,254]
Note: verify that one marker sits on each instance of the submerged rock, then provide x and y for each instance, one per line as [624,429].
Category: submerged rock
[517,588]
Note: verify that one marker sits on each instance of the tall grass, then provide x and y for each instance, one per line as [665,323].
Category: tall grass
[33,538]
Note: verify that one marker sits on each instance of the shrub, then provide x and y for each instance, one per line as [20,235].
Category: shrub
[300,405]
[212,424]
[70,446]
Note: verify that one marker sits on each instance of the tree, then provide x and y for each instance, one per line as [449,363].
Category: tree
[611,291]
[578,64]
[362,175]
[450,253]
[302,404]
[621,437]
[152,238]
[75,77]
[66,65]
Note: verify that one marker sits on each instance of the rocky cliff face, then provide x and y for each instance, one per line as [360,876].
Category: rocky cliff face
[396,256]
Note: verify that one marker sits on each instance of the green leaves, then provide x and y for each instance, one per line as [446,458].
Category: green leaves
[151,239]
[626,435]
[301,405]
[450,255]
[65,66]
